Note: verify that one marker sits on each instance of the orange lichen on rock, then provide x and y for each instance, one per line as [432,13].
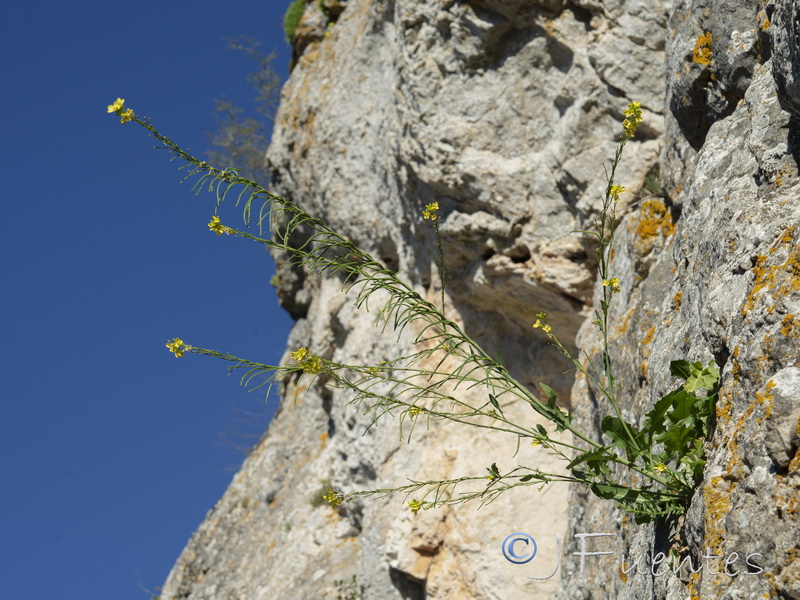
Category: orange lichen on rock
[764,19]
[724,408]
[782,279]
[676,301]
[655,221]
[701,53]
[766,399]
[736,368]
[790,327]
[717,501]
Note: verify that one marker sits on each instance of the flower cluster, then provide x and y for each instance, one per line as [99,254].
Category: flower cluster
[217,227]
[310,363]
[415,411]
[615,191]
[415,505]
[613,283]
[178,347]
[118,108]
[430,211]
[333,498]
[540,323]
[633,118]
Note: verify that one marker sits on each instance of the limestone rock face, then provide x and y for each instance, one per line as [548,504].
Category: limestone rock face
[725,286]
[504,112]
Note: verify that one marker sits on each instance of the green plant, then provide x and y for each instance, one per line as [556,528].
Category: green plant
[292,18]
[666,451]
[651,185]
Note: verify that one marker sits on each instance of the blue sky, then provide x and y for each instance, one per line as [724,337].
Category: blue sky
[112,450]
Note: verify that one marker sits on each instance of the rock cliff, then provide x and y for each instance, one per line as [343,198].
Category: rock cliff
[504,112]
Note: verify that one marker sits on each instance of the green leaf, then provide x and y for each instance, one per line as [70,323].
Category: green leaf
[628,439]
[526,478]
[653,423]
[676,440]
[494,402]
[551,394]
[682,407]
[700,377]
[681,368]
[610,492]
[540,428]
[595,460]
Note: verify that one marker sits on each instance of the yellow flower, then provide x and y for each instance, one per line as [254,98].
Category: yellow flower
[415,505]
[536,443]
[430,211]
[615,191]
[308,362]
[634,110]
[300,354]
[178,347]
[117,107]
[415,411]
[633,119]
[613,283]
[217,227]
[312,365]
[333,498]
[660,468]
[540,324]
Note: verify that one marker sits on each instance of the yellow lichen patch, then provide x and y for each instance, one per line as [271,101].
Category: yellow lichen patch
[782,279]
[790,327]
[794,464]
[655,221]
[717,501]
[736,368]
[724,408]
[766,398]
[648,337]
[764,19]
[701,53]
[676,301]
[691,585]
[644,370]
[626,322]
[788,236]
[786,500]
[759,283]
